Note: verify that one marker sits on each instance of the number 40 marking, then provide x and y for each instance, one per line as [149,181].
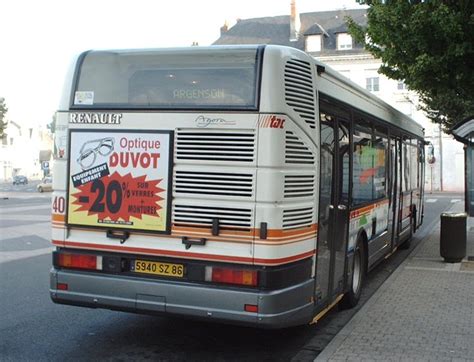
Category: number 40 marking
[59,204]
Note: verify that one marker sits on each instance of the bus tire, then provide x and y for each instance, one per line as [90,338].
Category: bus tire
[352,296]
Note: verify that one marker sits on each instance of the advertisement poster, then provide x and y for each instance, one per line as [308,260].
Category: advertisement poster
[120,180]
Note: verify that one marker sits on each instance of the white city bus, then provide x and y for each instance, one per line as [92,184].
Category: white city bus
[245,184]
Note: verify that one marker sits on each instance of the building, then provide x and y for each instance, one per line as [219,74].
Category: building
[23,151]
[324,35]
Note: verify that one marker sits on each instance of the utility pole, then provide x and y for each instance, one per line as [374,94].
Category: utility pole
[440,157]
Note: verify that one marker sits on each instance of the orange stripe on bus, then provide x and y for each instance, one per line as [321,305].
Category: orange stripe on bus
[283,242]
[58,217]
[367,209]
[276,236]
[226,258]
[285,260]
[206,229]
[272,234]
[286,233]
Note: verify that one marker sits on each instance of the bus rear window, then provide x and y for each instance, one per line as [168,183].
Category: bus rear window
[195,78]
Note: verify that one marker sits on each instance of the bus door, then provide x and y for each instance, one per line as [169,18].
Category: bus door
[333,204]
[421,175]
[395,157]
[404,221]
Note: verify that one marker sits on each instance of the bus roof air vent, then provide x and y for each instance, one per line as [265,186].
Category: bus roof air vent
[299,90]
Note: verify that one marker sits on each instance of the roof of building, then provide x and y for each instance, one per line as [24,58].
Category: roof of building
[276,30]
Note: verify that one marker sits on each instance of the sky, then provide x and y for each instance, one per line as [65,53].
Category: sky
[39,38]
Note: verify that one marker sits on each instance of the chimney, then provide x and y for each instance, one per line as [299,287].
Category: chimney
[224,28]
[294,22]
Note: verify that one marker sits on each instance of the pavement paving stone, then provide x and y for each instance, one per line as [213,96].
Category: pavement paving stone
[423,312]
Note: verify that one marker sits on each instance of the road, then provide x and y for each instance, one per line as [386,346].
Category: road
[33,328]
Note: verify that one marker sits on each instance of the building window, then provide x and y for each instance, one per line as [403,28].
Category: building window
[372,84]
[401,85]
[344,41]
[313,43]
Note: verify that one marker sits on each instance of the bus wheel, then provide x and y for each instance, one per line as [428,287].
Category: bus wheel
[352,296]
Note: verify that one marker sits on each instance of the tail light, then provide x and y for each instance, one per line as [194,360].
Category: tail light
[80,261]
[62,286]
[232,276]
[252,308]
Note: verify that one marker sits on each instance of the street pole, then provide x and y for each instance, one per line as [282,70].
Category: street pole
[441,158]
[431,176]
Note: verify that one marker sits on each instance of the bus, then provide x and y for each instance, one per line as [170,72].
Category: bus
[248,185]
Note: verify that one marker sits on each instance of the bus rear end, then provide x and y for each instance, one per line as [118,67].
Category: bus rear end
[167,191]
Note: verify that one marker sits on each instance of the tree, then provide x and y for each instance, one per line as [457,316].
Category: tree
[428,44]
[52,125]
[3,112]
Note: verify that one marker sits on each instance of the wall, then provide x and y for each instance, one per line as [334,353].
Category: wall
[20,154]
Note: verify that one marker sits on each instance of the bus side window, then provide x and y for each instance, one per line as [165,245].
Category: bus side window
[405,167]
[380,163]
[414,165]
[363,161]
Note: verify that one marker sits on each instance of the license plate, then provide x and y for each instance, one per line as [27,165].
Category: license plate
[157,268]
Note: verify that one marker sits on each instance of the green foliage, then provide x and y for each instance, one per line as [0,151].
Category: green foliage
[429,44]
[3,112]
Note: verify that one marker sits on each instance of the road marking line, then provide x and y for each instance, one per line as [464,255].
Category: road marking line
[6,256]
[41,229]
[24,195]
[431,200]
[455,200]
[23,217]
[24,208]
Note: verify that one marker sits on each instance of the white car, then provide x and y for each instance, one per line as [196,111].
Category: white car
[46,184]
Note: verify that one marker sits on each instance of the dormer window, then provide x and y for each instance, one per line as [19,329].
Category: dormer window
[344,41]
[313,43]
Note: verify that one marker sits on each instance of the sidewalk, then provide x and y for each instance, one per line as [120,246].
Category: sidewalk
[424,311]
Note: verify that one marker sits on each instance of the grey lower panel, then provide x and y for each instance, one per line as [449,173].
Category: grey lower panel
[378,249]
[276,309]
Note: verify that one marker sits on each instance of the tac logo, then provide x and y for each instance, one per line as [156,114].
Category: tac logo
[272,122]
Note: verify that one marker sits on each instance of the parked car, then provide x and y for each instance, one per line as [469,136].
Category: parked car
[20,180]
[46,184]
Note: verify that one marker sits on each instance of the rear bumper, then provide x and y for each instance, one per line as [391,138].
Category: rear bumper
[276,309]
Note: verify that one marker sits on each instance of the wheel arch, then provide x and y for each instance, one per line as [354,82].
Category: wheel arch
[362,235]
